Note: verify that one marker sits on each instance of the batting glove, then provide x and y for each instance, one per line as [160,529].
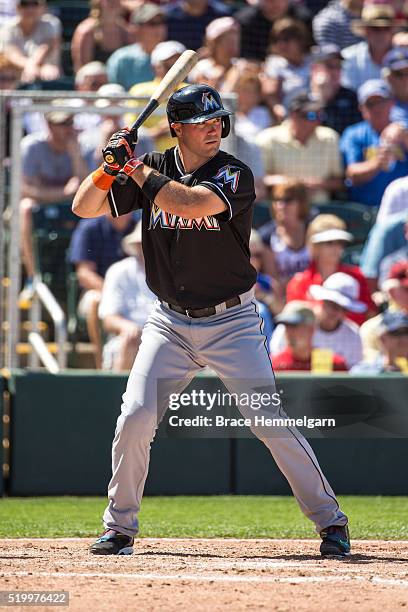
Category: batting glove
[119,150]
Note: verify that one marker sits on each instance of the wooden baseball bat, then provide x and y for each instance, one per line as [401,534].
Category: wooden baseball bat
[164,89]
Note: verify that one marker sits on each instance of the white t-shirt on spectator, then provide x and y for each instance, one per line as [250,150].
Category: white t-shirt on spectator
[358,66]
[125,292]
[344,341]
[247,126]
[49,27]
[394,200]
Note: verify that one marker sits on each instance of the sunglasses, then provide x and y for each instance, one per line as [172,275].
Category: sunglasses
[313,115]
[155,23]
[286,200]
[286,38]
[30,3]
[399,74]
[374,103]
[399,333]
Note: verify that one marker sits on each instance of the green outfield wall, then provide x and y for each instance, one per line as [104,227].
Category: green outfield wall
[62,427]
[2,450]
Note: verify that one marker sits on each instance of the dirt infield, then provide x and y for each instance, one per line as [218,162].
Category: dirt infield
[182,574]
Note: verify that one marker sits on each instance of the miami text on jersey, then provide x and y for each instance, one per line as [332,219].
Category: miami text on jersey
[227,175]
[169,221]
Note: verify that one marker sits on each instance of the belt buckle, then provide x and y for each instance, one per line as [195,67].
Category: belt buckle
[187,311]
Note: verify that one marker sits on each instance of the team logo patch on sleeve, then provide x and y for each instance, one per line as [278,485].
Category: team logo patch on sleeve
[209,102]
[228,176]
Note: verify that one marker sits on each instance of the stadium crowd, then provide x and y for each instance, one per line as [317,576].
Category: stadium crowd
[322,120]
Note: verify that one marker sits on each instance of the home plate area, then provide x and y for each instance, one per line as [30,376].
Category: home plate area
[210,574]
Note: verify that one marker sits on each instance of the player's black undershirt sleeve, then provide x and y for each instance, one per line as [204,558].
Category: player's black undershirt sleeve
[234,184]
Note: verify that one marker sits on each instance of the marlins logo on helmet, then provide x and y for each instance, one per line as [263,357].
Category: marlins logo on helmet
[209,102]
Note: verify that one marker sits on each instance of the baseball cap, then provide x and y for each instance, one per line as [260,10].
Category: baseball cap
[296,312]
[371,88]
[396,59]
[331,235]
[304,101]
[110,90]
[165,50]
[58,117]
[220,26]
[145,13]
[340,288]
[325,52]
[397,277]
[130,241]
[392,321]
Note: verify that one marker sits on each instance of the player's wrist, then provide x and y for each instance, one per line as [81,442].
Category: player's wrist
[153,183]
[104,176]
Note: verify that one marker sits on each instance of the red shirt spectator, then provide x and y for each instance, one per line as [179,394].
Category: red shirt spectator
[285,360]
[326,238]
[298,287]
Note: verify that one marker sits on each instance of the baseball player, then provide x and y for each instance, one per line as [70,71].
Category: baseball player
[197,209]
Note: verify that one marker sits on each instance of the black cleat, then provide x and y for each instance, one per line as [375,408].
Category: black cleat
[112,543]
[336,542]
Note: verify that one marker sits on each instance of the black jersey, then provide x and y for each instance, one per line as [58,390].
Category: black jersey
[195,263]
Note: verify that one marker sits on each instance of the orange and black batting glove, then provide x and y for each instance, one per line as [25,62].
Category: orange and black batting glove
[117,153]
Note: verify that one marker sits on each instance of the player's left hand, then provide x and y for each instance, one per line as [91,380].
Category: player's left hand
[119,149]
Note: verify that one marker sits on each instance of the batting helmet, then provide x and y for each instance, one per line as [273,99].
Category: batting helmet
[195,104]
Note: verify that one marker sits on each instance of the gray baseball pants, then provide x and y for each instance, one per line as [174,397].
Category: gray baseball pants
[174,348]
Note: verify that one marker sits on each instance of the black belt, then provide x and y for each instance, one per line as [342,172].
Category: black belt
[197,313]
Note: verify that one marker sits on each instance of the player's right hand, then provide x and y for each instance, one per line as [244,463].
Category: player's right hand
[119,149]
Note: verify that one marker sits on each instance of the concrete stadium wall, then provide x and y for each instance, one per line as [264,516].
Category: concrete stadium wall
[62,428]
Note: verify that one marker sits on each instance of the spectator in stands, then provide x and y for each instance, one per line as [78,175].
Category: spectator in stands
[392,337]
[340,103]
[374,150]
[326,239]
[363,61]
[264,290]
[332,25]
[383,239]
[395,72]
[98,36]
[299,322]
[288,65]
[257,21]
[333,330]
[53,167]
[8,10]
[394,200]
[302,147]
[221,46]
[96,245]
[131,64]
[251,116]
[285,235]
[395,257]
[93,140]
[32,41]
[188,19]
[395,294]
[89,78]
[125,304]
[164,55]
